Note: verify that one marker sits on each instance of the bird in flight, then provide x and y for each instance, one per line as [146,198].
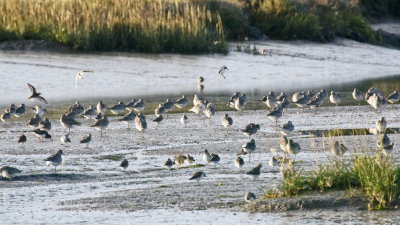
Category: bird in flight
[222,71]
[35,94]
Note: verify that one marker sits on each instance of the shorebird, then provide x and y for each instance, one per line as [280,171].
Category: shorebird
[20,111]
[101,107]
[239,162]
[86,139]
[184,119]
[381,125]
[275,114]
[222,70]
[140,122]
[130,104]
[273,162]
[9,172]
[240,102]
[35,94]
[209,111]
[5,116]
[22,139]
[387,148]
[182,102]
[249,197]
[130,116]
[54,160]
[293,147]
[226,121]
[41,134]
[65,139]
[124,164]
[169,163]
[118,108]
[198,176]
[12,109]
[335,98]
[34,122]
[206,156]
[338,149]
[189,159]
[39,111]
[375,100]
[282,143]
[169,105]
[160,109]
[101,124]
[68,122]
[200,79]
[139,105]
[357,95]
[214,158]
[231,102]
[76,109]
[250,129]
[158,119]
[270,101]
[383,140]
[287,128]
[255,172]
[248,148]
[394,97]
[300,99]
[90,113]
[281,98]
[45,125]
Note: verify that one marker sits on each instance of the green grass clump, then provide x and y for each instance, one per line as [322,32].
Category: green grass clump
[138,25]
[111,157]
[310,20]
[379,178]
[376,176]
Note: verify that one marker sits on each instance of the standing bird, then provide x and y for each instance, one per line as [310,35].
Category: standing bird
[5,116]
[222,70]
[273,162]
[68,122]
[249,197]
[39,111]
[182,102]
[282,143]
[169,163]
[130,116]
[226,121]
[101,124]
[86,139]
[9,172]
[65,139]
[209,111]
[381,125]
[357,95]
[139,105]
[20,111]
[240,103]
[338,149]
[158,119]
[198,176]
[275,114]
[255,172]
[293,147]
[90,113]
[118,108]
[45,125]
[239,162]
[22,139]
[394,97]
[36,95]
[248,148]
[101,107]
[206,156]
[250,129]
[169,105]
[214,158]
[34,122]
[287,128]
[184,120]
[140,122]
[124,164]
[54,160]
[335,98]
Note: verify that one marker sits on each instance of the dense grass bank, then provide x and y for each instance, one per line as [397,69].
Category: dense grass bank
[181,26]
[376,177]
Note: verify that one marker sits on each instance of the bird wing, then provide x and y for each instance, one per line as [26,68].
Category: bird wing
[33,89]
[40,98]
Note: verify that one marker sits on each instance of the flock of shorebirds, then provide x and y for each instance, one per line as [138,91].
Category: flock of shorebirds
[238,101]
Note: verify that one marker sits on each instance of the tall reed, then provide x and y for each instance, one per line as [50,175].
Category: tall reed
[141,25]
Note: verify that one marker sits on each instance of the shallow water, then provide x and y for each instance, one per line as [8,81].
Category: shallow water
[292,66]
